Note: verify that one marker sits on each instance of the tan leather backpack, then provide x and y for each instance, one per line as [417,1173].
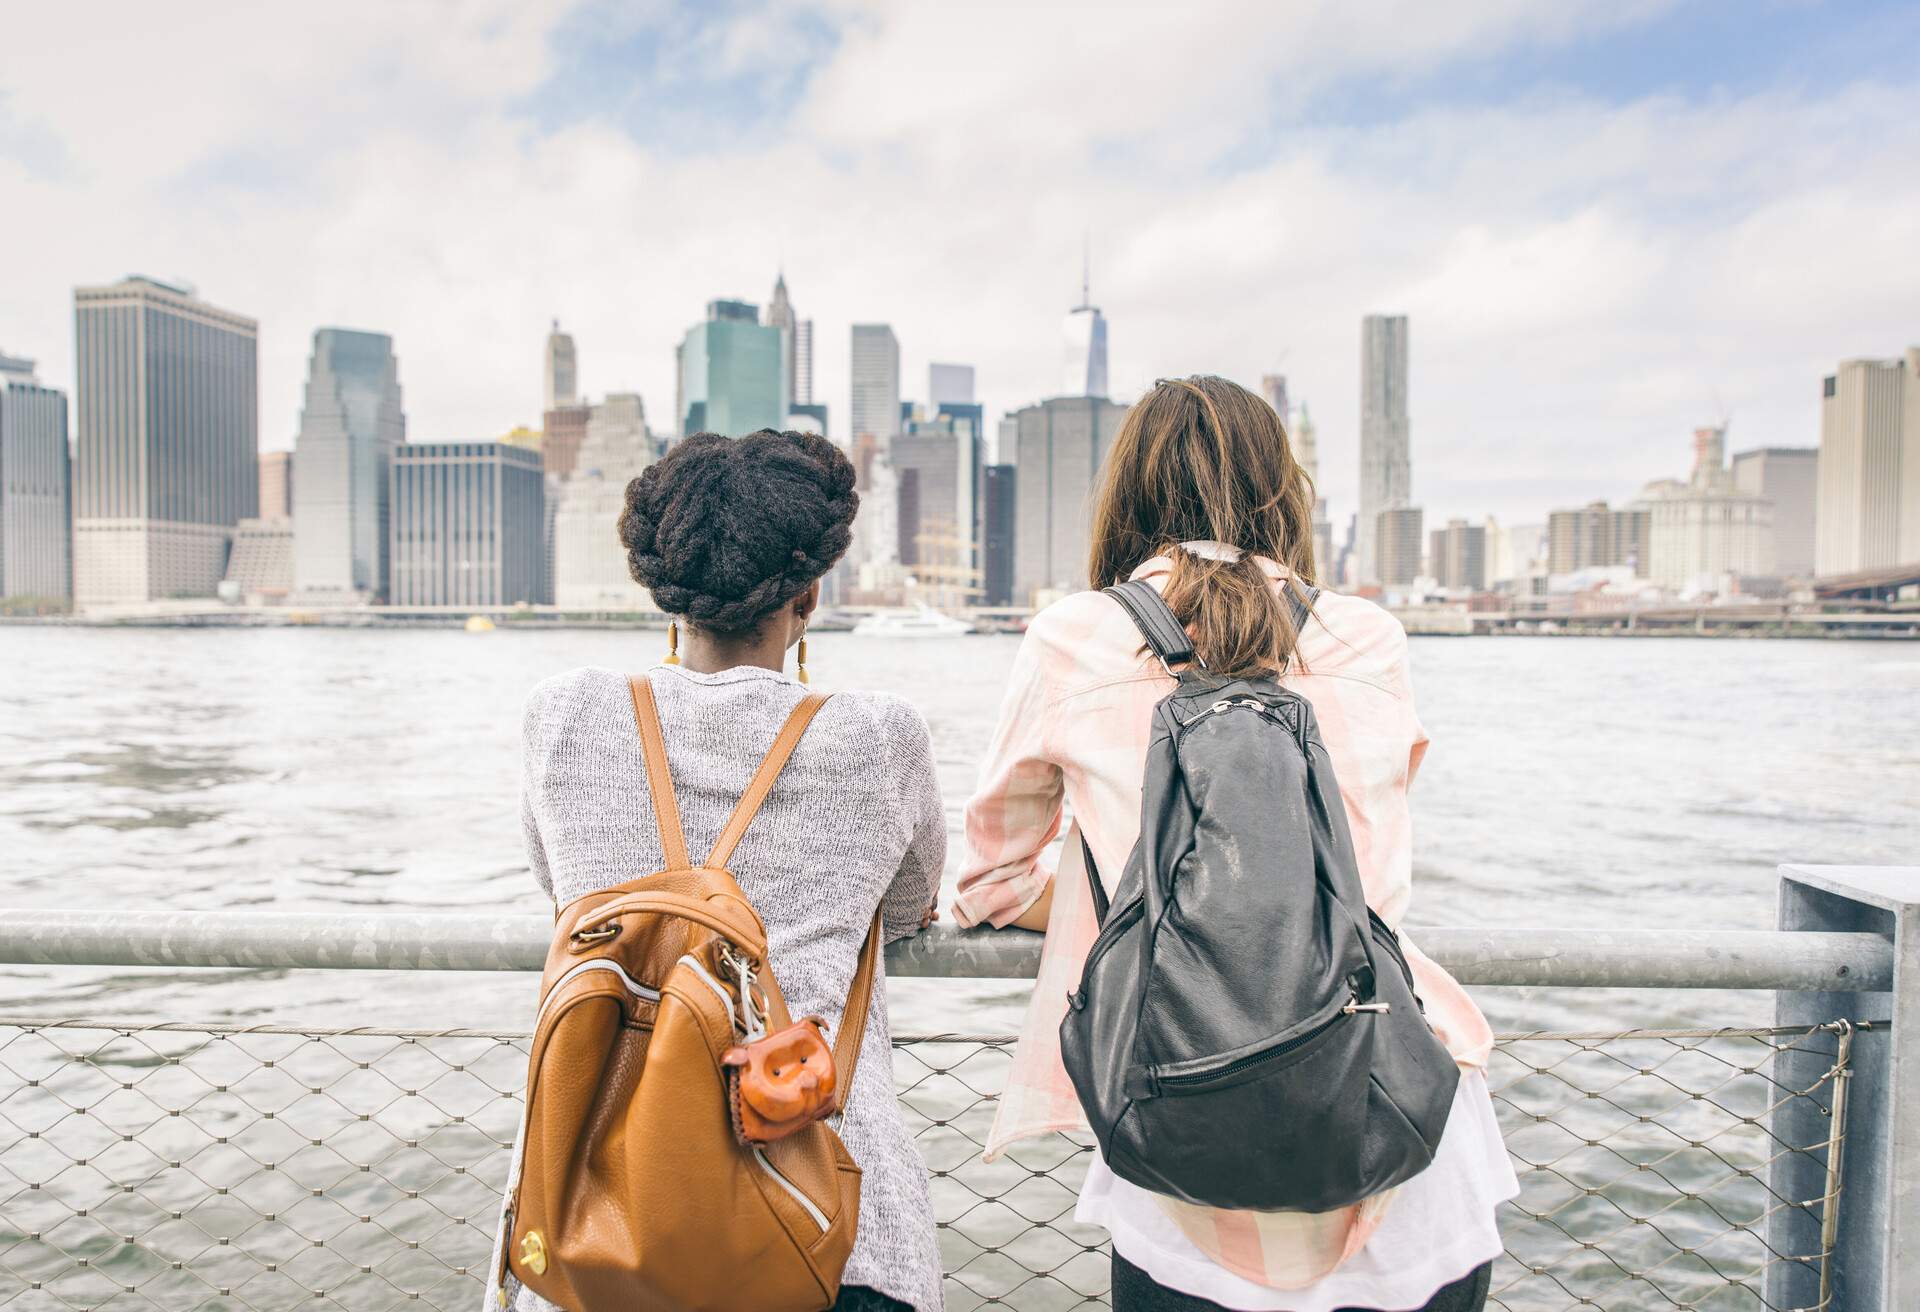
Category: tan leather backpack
[634,1193]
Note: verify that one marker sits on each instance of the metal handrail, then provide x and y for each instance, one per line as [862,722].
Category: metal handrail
[1578,958]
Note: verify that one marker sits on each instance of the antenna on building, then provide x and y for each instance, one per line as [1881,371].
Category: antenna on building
[1086,269]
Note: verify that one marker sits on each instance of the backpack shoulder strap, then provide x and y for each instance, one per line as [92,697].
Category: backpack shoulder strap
[1302,605]
[1156,621]
[762,782]
[653,746]
[853,1018]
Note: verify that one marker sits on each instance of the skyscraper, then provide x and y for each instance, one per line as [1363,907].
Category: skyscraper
[468,524]
[276,485]
[36,484]
[350,427]
[949,384]
[1869,485]
[875,366]
[1457,556]
[565,428]
[730,373]
[1061,444]
[1790,478]
[939,459]
[563,370]
[1386,474]
[1274,388]
[1397,536]
[803,365]
[590,568]
[167,460]
[1084,372]
[1306,445]
[997,510]
[780,315]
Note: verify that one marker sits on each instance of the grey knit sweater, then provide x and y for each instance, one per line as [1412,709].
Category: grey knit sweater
[853,823]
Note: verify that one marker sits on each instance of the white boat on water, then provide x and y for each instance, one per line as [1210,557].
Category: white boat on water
[923,622]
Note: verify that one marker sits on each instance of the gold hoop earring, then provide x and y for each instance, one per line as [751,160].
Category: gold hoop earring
[673,643]
[800,664]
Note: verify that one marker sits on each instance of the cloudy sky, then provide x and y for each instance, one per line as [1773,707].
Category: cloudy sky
[1610,220]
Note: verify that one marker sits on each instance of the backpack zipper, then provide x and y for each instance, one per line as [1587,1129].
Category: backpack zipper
[819,1217]
[706,976]
[633,985]
[1352,1007]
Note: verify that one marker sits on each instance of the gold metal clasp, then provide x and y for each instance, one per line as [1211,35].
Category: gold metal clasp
[582,939]
[533,1252]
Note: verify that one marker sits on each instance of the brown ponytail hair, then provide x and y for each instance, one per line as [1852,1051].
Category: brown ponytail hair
[1204,459]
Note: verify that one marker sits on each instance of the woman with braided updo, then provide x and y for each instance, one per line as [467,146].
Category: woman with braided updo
[732,537]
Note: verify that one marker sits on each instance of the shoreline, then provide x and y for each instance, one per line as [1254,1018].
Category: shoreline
[1883,628]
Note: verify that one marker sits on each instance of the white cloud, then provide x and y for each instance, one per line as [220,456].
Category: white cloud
[1587,281]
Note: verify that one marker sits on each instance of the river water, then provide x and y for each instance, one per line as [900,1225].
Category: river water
[1572,782]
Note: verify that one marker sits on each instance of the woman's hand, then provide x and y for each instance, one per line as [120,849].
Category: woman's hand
[932,914]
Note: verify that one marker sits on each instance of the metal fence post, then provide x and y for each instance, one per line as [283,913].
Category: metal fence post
[1876,1264]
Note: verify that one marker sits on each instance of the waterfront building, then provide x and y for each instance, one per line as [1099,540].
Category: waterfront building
[590,565]
[1397,537]
[949,384]
[1386,472]
[780,315]
[1060,445]
[998,505]
[350,427]
[36,486]
[1596,536]
[1084,365]
[467,525]
[1706,529]
[276,485]
[875,367]
[167,457]
[1790,478]
[563,429]
[260,567]
[1869,477]
[1457,556]
[1515,551]
[730,373]
[562,371]
[803,368]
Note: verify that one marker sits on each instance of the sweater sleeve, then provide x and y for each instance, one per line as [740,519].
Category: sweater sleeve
[530,726]
[917,883]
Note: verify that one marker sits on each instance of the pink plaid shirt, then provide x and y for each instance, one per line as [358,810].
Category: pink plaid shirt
[1074,730]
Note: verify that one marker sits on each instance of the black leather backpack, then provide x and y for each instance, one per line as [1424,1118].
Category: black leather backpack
[1245,1034]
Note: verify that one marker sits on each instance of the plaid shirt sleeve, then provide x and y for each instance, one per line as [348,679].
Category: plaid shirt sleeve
[1016,807]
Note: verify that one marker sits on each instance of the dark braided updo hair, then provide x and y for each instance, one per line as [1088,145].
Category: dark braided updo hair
[725,531]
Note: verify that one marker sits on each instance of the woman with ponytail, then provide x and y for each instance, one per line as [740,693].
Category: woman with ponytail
[1203,498]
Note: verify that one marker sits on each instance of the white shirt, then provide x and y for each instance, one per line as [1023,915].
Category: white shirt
[1440,1227]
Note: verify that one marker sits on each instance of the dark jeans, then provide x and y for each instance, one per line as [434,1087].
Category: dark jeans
[1135,1291]
[858,1298]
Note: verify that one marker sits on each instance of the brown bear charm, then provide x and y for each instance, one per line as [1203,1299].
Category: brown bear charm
[781,1082]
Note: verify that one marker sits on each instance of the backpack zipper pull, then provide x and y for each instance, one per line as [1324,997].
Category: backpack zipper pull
[1356,1006]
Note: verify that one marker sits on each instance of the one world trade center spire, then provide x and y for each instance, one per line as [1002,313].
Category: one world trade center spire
[1085,372]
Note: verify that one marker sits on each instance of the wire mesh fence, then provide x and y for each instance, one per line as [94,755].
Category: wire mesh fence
[178,1166]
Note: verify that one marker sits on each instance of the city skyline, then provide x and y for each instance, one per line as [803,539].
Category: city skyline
[1606,238]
